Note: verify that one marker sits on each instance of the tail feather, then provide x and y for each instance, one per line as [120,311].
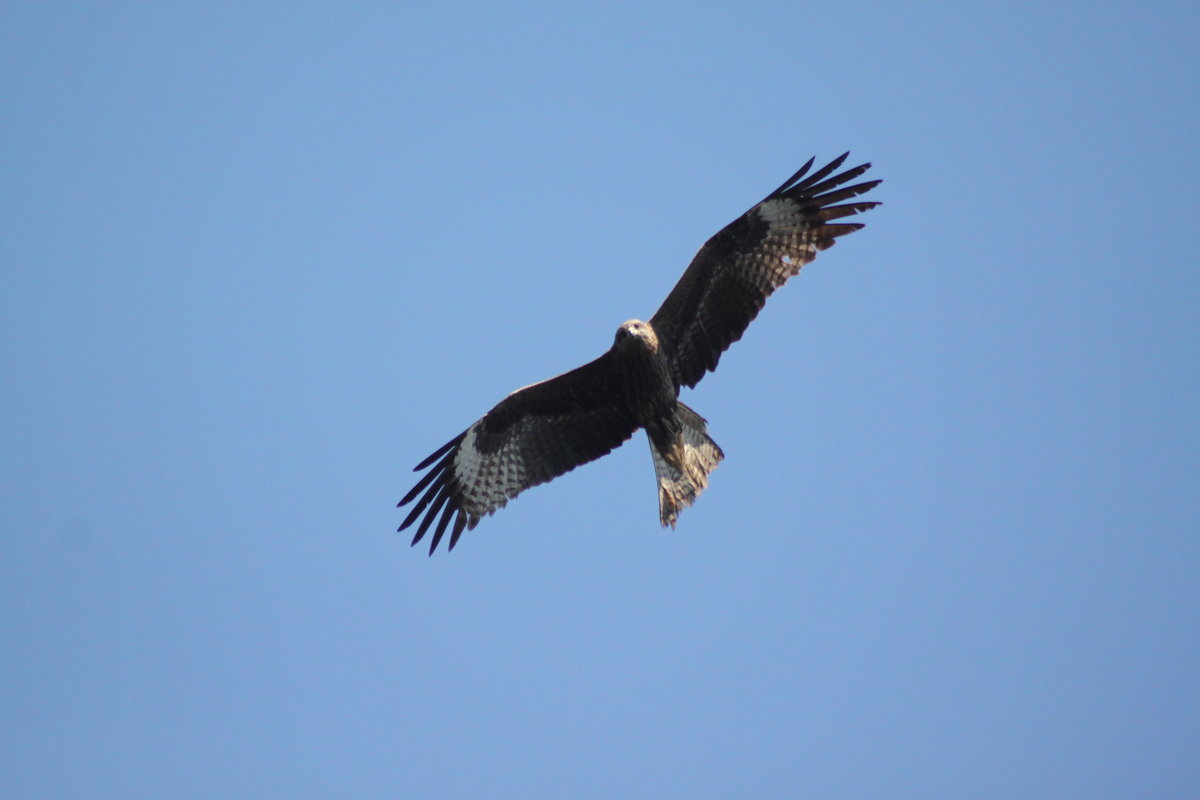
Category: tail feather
[683,471]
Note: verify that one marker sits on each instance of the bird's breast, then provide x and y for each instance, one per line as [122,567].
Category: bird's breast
[648,388]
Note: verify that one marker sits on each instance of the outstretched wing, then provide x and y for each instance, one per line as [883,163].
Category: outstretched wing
[732,275]
[533,435]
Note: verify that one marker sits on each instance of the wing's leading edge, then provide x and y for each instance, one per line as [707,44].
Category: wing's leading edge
[734,273]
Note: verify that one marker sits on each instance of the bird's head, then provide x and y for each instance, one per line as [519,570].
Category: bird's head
[636,334]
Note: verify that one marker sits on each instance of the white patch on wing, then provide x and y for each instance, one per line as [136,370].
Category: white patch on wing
[483,479]
[789,238]
[779,210]
[468,461]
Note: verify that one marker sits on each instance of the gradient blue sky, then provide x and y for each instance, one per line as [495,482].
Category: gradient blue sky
[260,261]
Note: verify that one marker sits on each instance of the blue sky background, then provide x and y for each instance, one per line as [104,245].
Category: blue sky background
[258,262]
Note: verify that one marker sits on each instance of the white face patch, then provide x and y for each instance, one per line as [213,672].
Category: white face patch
[641,330]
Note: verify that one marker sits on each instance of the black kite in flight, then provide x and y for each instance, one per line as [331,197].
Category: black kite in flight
[544,430]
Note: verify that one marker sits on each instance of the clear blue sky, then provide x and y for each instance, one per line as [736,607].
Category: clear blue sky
[258,262]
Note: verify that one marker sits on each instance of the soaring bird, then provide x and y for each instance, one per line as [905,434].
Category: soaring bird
[546,429]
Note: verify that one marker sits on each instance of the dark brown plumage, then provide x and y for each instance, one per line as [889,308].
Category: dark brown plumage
[544,430]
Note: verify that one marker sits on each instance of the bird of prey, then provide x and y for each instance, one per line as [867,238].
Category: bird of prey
[544,430]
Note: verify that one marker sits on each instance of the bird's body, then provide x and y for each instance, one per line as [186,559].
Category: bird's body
[543,430]
[682,451]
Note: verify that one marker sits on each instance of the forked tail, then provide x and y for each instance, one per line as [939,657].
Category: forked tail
[682,472]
